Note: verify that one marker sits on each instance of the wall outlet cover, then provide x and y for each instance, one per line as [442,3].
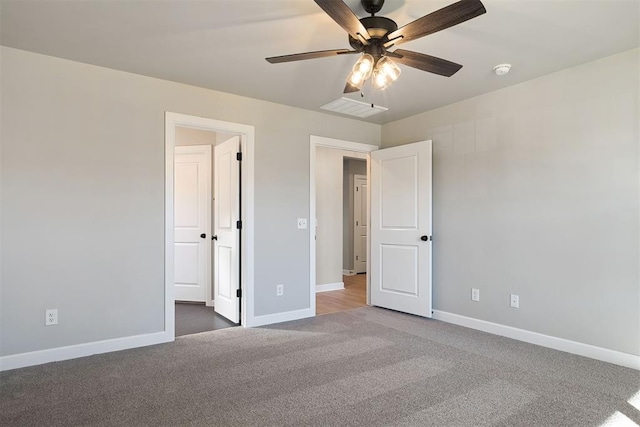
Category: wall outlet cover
[51,317]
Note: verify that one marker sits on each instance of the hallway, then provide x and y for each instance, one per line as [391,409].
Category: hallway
[353,295]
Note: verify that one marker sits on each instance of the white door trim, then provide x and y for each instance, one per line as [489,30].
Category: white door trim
[314,142]
[247,138]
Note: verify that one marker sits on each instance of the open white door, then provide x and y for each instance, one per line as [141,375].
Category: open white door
[192,210]
[226,230]
[401,228]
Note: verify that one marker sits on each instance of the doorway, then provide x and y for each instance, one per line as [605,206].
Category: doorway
[195,225]
[214,134]
[334,284]
[341,207]
[399,224]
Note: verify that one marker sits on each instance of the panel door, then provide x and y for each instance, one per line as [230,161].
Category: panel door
[192,221]
[227,243]
[401,228]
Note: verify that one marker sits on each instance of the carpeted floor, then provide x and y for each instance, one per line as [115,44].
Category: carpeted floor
[365,367]
[195,318]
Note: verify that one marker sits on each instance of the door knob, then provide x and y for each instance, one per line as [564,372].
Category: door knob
[424,238]
[214,237]
[204,236]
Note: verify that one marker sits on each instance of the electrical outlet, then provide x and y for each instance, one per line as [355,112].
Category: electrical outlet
[51,317]
[302,223]
[515,301]
[475,294]
[279,290]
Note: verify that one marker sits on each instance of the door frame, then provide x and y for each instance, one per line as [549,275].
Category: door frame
[247,140]
[320,141]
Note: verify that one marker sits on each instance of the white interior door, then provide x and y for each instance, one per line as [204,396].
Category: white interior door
[360,223]
[226,215]
[401,228]
[192,221]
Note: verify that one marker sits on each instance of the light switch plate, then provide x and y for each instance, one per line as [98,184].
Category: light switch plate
[515,301]
[302,223]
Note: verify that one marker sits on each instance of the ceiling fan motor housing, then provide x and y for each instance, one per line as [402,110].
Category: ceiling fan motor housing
[377,27]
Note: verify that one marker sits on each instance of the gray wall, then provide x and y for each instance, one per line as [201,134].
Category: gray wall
[82,185]
[330,208]
[535,192]
[189,136]
[351,167]
[329,216]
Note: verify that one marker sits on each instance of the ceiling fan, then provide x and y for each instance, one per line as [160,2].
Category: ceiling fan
[374,35]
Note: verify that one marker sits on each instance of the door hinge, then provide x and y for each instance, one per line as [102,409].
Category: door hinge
[239,225]
[356,257]
[356,223]
[430,237]
[239,293]
[357,188]
[239,156]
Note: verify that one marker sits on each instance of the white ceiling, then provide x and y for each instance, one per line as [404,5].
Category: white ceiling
[221,44]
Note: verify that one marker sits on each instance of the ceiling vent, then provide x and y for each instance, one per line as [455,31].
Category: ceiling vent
[351,107]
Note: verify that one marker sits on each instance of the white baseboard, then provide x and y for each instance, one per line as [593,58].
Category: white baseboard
[574,347]
[348,273]
[330,287]
[287,316]
[39,357]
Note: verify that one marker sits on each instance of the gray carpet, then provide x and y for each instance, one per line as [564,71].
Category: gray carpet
[195,318]
[366,367]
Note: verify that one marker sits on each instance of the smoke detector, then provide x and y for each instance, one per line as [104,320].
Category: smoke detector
[501,69]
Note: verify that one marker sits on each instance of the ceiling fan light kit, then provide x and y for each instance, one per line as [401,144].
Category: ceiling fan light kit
[385,73]
[361,71]
[373,35]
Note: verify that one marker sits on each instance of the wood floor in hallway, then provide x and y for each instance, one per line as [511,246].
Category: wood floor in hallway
[352,296]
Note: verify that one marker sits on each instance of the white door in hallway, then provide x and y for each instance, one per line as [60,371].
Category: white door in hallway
[192,222]
[226,231]
[360,201]
[401,228]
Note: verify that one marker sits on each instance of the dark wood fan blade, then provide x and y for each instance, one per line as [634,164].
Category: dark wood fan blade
[446,17]
[308,55]
[340,12]
[428,63]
